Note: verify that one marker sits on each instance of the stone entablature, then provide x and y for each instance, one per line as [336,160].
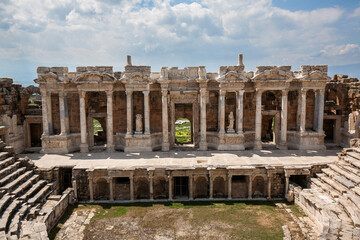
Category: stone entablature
[143,91]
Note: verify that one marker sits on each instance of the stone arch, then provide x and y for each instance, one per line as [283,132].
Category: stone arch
[258,187]
[219,187]
[142,188]
[201,187]
[102,190]
[25,95]
[161,188]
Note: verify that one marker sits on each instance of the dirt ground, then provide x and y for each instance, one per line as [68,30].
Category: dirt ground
[208,220]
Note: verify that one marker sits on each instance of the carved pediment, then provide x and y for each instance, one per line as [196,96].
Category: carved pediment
[47,78]
[135,78]
[316,75]
[94,77]
[232,76]
[273,74]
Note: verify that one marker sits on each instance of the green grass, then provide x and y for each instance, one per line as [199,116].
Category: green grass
[97,126]
[183,132]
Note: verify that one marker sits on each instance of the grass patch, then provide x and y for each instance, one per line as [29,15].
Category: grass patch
[183,131]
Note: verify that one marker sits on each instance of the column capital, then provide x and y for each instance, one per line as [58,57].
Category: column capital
[285,91]
[241,92]
[203,91]
[129,92]
[303,90]
[109,93]
[146,92]
[164,92]
[62,93]
[259,91]
[222,92]
[321,91]
[82,93]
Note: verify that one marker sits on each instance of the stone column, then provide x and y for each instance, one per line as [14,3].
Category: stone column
[229,186]
[91,189]
[165,121]
[44,100]
[287,178]
[131,187]
[298,111]
[129,113]
[316,110]
[222,111]
[303,111]
[191,179]
[151,190]
[269,186]
[170,188]
[110,125]
[321,111]
[146,112]
[250,187]
[111,180]
[284,108]
[258,119]
[203,142]
[49,113]
[84,147]
[63,113]
[211,185]
[240,110]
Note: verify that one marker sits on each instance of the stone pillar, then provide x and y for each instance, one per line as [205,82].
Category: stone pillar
[84,147]
[91,189]
[131,187]
[203,142]
[170,188]
[298,111]
[110,125]
[111,182]
[269,186]
[49,113]
[44,100]
[240,110]
[191,179]
[303,111]
[146,112]
[129,113]
[316,110]
[250,187]
[229,186]
[258,119]
[211,186]
[284,108]
[63,114]
[165,121]
[286,185]
[151,190]
[321,111]
[222,111]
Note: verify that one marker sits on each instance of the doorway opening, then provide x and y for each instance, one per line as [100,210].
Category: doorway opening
[99,133]
[183,133]
[301,180]
[329,127]
[181,187]
[35,134]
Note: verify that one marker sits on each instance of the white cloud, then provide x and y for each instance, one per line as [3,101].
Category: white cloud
[336,50]
[355,13]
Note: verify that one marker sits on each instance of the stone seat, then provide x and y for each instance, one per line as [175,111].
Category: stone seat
[4,201]
[14,226]
[354,155]
[3,155]
[356,190]
[20,189]
[12,176]
[41,195]
[335,176]
[350,168]
[6,216]
[352,177]
[354,198]
[9,169]
[352,211]
[7,162]
[324,187]
[10,186]
[337,186]
[33,190]
[354,163]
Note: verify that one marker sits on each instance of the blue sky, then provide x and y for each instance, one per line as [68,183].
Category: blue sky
[177,33]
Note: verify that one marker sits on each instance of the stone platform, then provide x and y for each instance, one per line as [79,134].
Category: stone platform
[185,159]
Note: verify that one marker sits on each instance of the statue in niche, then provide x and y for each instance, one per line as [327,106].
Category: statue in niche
[139,124]
[230,128]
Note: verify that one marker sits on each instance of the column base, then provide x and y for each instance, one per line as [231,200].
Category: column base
[84,147]
[110,149]
[203,146]
[165,147]
[257,145]
[283,146]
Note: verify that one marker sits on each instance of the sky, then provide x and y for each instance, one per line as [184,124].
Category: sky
[178,33]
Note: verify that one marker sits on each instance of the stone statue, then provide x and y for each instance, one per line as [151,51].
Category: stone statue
[139,124]
[230,128]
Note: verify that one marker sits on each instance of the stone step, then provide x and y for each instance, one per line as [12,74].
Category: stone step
[4,201]
[23,187]
[22,178]
[351,169]
[349,175]
[9,169]
[337,186]
[354,155]
[354,163]
[352,211]
[356,190]
[25,208]
[325,187]
[41,195]
[10,210]
[33,190]
[4,155]
[14,224]
[7,162]
[12,176]
[354,198]
[335,176]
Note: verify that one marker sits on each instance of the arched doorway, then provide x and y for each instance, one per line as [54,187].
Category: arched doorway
[258,187]
[219,187]
[102,190]
[201,188]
